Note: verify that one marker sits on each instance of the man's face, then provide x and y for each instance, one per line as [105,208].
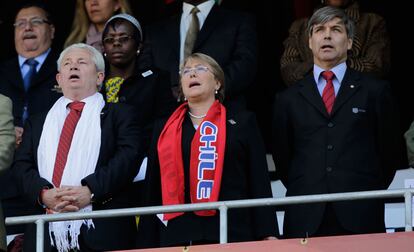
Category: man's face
[329,43]
[78,76]
[32,33]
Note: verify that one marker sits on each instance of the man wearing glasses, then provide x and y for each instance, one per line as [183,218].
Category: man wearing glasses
[29,81]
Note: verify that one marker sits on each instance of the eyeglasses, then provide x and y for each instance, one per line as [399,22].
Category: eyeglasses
[198,70]
[120,39]
[34,22]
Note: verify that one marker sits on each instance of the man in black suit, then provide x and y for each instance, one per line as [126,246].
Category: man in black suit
[98,167]
[33,35]
[227,36]
[335,135]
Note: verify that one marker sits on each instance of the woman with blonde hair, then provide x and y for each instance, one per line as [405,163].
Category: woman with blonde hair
[90,18]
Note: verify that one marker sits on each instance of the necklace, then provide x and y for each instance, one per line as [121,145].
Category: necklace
[196,117]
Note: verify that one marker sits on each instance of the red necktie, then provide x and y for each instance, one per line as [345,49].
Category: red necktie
[328,94]
[65,140]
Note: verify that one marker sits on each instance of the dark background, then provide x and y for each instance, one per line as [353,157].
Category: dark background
[273,19]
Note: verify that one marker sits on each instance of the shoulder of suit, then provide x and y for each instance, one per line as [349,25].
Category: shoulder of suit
[11,62]
[117,108]
[367,80]
[239,118]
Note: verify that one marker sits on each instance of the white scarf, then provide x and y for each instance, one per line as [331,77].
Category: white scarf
[81,161]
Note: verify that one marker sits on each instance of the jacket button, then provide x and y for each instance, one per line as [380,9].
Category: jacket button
[330,147]
[330,125]
[122,99]
[328,169]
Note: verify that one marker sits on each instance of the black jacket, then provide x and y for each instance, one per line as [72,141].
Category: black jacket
[120,155]
[245,176]
[356,148]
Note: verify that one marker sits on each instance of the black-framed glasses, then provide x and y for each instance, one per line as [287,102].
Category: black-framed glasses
[198,70]
[121,39]
[34,22]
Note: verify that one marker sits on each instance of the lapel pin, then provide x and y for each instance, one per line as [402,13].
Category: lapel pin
[231,121]
[351,86]
[147,73]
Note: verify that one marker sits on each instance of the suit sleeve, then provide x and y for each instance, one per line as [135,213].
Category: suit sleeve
[264,218]
[7,135]
[390,139]
[281,141]
[111,177]
[25,167]
[241,69]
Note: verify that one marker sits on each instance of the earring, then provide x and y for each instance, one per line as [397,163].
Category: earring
[104,54]
[216,92]
[185,98]
[138,51]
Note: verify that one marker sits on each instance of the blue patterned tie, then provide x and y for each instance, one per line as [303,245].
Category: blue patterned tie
[32,63]
[27,79]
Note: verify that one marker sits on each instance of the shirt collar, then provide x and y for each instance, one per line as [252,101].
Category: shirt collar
[88,99]
[204,8]
[40,59]
[339,71]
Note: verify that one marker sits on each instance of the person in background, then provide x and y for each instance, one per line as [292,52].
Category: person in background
[203,26]
[90,18]
[130,80]
[370,52]
[232,165]
[33,37]
[7,143]
[29,80]
[81,155]
[335,131]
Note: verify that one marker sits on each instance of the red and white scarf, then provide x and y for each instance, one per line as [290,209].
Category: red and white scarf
[206,160]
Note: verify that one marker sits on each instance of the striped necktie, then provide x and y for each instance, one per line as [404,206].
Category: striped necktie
[328,94]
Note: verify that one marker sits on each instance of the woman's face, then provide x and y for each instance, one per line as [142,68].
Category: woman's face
[198,82]
[99,11]
[119,45]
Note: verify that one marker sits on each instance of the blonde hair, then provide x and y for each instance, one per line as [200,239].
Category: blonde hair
[81,21]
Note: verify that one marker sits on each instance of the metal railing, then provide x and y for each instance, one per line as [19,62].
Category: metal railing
[222,206]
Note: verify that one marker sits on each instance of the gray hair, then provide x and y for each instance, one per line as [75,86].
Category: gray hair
[96,56]
[328,13]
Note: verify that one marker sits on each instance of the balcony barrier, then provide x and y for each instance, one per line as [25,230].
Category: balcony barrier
[222,206]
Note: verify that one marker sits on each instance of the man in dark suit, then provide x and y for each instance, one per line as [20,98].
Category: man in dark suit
[335,135]
[33,35]
[227,36]
[88,169]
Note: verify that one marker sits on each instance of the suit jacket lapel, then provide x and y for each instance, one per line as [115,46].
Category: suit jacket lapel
[47,69]
[349,87]
[212,21]
[310,92]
